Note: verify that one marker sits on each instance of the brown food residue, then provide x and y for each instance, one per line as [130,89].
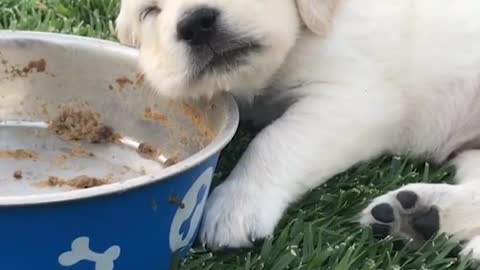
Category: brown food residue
[174,159]
[148,151]
[177,201]
[74,125]
[155,116]
[19,154]
[39,66]
[198,121]
[123,81]
[78,152]
[32,66]
[18,174]
[80,182]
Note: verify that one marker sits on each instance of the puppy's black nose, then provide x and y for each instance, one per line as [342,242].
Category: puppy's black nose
[198,27]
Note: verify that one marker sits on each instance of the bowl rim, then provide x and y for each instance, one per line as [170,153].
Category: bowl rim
[224,136]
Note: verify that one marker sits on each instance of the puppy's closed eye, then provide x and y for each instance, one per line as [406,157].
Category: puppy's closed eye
[148,12]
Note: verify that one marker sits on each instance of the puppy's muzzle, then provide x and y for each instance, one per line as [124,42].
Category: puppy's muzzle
[211,45]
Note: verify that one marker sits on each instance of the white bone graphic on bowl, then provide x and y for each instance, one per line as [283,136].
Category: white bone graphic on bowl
[187,219]
[81,251]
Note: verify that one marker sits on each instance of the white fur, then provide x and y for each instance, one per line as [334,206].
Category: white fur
[379,76]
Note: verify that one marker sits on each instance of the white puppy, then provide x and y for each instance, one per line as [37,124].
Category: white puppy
[360,78]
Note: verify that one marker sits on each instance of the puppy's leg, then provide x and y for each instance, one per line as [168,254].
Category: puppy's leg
[419,211]
[316,138]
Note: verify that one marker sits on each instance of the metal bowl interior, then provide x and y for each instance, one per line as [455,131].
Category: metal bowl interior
[41,74]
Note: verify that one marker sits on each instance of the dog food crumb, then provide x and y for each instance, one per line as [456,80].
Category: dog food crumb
[148,151]
[80,182]
[123,81]
[19,154]
[150,114]
[18,174]
[151,152]
[40,66]
[74,125]
[78,152]
[177,201]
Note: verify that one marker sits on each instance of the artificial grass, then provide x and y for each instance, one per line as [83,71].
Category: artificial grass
[320,231]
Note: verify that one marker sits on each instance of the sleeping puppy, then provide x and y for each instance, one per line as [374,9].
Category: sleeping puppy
[351,79]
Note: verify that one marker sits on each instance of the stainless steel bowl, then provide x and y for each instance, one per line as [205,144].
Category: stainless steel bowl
[148,215]
[41,73]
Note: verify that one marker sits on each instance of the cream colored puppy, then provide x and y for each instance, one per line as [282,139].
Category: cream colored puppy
[343,81]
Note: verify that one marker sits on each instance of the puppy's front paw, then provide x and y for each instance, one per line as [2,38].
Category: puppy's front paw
[236,215]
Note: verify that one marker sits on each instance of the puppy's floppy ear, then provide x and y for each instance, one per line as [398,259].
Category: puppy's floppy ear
[317,15]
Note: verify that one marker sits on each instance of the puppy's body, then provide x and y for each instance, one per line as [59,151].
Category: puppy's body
[370,77]
[421,54]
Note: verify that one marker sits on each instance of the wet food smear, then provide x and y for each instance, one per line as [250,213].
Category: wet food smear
[150,114]
[123,81]
[80,182]
[19,154]
[73,125]
[39,66]
[79,152]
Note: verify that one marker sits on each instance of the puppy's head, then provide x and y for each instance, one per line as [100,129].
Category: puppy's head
[199,47]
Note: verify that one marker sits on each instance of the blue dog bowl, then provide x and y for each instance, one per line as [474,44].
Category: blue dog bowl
[142,213]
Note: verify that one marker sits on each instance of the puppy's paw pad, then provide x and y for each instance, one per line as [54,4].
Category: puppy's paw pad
[407,199]
[381,230]
[402,213]
[383,212]
[427,223]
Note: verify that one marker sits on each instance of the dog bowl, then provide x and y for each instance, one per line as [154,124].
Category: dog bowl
[68,202]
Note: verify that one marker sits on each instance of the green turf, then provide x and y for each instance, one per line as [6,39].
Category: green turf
[319,232]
